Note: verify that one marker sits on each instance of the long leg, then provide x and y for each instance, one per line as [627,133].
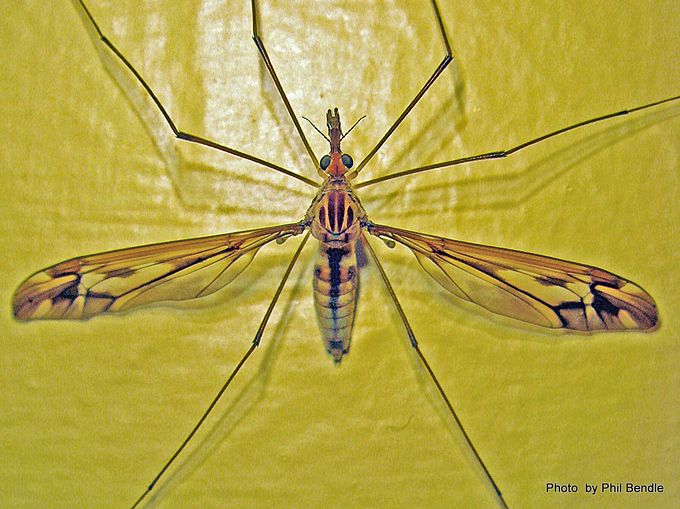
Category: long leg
[270,68]
[253,346]
[433,377]
[179,134]
[448,58]
[500,154]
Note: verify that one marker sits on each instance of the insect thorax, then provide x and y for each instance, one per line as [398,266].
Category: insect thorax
[336,214]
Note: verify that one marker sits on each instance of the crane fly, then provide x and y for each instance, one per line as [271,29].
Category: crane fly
[534,289]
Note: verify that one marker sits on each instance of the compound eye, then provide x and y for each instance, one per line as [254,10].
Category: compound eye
[325,162]
[347,160]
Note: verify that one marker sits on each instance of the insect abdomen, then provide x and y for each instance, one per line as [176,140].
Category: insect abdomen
[336,279]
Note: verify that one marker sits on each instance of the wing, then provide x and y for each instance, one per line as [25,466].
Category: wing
[120,280]
[532,288]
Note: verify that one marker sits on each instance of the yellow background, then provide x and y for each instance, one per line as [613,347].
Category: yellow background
[91,410]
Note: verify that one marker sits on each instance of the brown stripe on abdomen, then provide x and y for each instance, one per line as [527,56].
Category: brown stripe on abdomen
[336,279]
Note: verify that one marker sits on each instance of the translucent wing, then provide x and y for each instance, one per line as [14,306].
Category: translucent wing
[532,288]
[119,280]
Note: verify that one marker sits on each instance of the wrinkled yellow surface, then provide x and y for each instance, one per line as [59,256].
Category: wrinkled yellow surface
[90,411]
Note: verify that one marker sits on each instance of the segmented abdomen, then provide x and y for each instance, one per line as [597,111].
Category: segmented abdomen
[336,280]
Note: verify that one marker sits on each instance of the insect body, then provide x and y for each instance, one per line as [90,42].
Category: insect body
[336,218]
